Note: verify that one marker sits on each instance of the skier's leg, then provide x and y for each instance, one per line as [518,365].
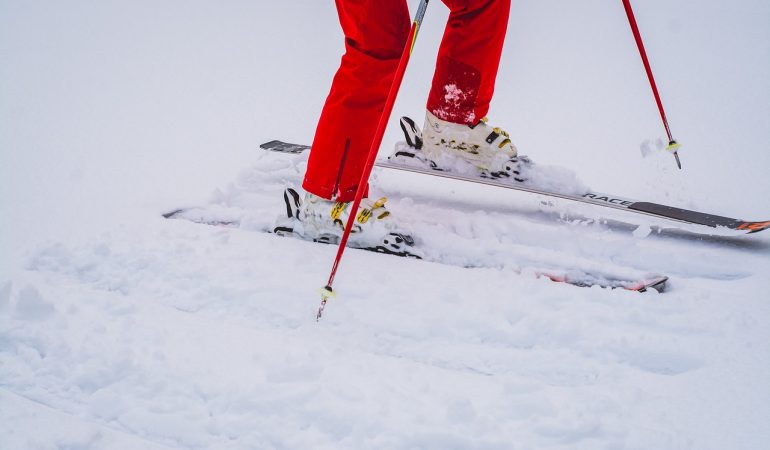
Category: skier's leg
[468,60]
[455,133]
[375,34]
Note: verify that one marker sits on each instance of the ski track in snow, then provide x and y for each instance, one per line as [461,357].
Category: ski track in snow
[173,334]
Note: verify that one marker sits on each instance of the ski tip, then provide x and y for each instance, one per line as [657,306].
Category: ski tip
[753,227]
[657,283]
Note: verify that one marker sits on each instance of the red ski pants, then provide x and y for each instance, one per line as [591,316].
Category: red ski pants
[375,34]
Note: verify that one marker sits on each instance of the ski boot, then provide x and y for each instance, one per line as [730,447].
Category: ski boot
[480,148]
[319,220]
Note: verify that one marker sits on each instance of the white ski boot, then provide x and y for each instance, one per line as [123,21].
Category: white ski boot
[455,147]
[317,219]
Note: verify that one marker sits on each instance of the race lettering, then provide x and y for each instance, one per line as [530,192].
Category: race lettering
[614,201]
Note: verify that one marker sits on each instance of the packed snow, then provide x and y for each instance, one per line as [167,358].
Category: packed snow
[120,329]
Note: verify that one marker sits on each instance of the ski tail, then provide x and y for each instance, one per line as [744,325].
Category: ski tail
[284,147]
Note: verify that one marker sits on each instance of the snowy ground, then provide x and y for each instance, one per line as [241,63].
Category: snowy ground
[122,330]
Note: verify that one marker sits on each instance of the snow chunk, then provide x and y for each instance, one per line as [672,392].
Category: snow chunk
[456,103]
[650,147]
[452,93]
[642,231]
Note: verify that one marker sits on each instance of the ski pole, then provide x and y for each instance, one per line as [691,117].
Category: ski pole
[673,146]
[327,291]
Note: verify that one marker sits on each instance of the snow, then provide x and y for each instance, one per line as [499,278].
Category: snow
[122,330]
[455,99]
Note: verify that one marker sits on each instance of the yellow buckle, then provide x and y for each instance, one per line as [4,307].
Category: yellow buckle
[338,209]
[366,213]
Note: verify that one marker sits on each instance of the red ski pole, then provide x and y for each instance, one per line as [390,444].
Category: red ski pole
[327,290]
[673,146]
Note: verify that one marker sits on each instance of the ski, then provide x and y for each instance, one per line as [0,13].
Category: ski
[660,211]
[572,277]
[583,279]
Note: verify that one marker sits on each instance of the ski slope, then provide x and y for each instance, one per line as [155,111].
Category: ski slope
[122,330]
